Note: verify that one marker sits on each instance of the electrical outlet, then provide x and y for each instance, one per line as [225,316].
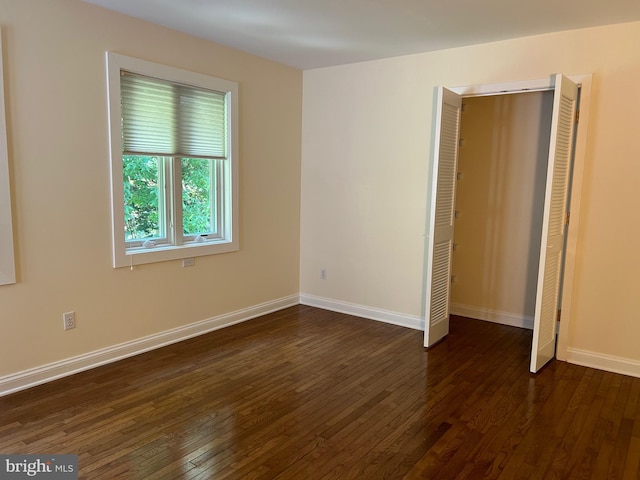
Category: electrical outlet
[323,274]
[69,320]
[188,262]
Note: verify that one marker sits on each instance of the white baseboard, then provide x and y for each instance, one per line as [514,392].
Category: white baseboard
[46,373]
[386,316]
[609,363]
[495,316]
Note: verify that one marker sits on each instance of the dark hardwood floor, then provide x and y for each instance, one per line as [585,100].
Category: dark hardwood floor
[308,394]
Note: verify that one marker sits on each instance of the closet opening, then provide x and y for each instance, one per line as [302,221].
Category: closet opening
[501,177]
[517,164]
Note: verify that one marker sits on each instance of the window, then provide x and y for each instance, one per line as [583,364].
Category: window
[7,263]
[174,186]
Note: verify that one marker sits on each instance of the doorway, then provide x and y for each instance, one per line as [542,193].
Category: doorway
[502,164]
[567,141]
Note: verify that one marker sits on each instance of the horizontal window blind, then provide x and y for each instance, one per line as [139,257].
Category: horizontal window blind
[164,118]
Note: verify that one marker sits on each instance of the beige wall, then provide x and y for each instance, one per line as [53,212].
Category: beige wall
[366,143]
[54,52]
[500,197]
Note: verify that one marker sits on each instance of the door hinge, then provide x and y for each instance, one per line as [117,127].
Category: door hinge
[577,116]
[567,217]
[559,315]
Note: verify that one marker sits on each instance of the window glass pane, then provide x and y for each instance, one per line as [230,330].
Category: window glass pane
[198,196]
[144,212]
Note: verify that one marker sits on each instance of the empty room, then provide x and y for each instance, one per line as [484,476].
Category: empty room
[276,239]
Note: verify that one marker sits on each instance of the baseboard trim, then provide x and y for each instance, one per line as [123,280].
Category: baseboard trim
[609,363]
[386,316]
[46,373]
[495,316]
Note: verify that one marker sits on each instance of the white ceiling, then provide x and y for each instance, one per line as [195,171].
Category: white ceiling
[317,33]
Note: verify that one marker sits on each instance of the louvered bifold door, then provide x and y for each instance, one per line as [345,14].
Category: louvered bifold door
[442,216]
[543,347]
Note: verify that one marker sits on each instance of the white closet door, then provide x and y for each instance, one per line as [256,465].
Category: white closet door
[442,216]
[543,347]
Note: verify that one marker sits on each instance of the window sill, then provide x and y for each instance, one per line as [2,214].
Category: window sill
[141,256]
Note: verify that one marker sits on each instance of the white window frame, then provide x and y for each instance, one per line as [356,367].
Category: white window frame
[228,241]
[7,260]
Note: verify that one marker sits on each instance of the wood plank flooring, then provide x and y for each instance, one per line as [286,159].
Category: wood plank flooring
[309,394]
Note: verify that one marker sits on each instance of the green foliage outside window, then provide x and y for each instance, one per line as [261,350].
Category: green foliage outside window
[197,183]
[141,202]
[143,196]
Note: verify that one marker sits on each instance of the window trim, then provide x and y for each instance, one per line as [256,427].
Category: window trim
[123,257]
[7,259]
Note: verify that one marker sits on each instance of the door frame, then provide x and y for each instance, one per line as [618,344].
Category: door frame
[584,81]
